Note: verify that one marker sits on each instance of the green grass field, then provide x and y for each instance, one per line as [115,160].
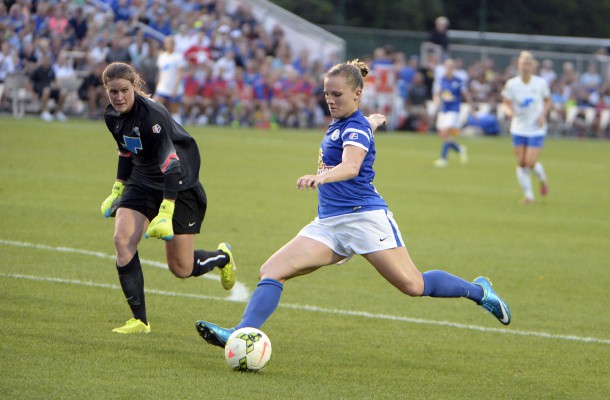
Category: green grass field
[340,333]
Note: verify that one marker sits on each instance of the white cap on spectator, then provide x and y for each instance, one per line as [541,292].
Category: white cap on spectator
[443,21]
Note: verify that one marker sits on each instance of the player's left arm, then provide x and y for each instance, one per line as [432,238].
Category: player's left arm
[376,120]
[161,126]
[162,226]
[469,100]
[548,103]
[180,75]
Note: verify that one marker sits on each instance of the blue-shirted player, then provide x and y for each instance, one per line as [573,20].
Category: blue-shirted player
[448,92]
[352,219]
[527,101]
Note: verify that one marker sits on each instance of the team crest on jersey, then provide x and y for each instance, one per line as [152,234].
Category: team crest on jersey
[447,96]
[335,134]
[526,102]
[353,135]
[136,131]
[156,128]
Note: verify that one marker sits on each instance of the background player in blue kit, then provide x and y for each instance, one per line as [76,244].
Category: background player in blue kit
[448,91]
[157,181]
[352,219]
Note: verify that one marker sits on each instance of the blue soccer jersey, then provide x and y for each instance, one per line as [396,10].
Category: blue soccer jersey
[353,195]
[450,93]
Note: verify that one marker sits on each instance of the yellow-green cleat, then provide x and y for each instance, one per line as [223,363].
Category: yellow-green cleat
[228,273]
[133,326]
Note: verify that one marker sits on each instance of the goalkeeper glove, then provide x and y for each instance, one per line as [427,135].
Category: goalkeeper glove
[161,226]
[109,205]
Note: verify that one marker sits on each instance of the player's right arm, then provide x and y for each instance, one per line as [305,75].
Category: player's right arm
[507,103]
[125,165]
[349,167]
[507,107]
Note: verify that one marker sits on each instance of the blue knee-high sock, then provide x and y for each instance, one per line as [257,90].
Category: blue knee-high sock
[443,284]
[454,146]
[262,304]
[445,150]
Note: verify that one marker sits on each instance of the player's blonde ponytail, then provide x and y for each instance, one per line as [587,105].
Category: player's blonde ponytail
[354,72]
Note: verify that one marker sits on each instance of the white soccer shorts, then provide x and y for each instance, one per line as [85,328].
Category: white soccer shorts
[448,120]
[356,233]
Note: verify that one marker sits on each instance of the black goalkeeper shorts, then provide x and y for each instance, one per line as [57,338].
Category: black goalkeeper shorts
[189,211]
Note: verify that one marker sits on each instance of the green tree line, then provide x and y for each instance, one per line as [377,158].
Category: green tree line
[576,18]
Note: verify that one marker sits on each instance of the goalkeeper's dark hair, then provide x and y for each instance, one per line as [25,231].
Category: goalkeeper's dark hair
[121,70]
[354,72]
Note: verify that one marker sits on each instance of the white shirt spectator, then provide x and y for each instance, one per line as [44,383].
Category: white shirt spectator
[591,79]
[8,61]
[184,39]
[547,72]
[99,51]
[63,68]
[225,66]
[138,50]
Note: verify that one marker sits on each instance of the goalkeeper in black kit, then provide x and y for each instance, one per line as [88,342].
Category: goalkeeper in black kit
[157,193]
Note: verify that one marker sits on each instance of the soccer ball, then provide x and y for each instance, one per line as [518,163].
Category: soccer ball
[248,349]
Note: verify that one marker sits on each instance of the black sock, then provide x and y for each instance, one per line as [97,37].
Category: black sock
[205,261]
[132,282]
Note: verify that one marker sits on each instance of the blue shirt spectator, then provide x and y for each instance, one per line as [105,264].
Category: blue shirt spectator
[161,23]
[122,10]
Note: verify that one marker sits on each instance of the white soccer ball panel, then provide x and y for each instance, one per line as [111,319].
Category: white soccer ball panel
[248,349]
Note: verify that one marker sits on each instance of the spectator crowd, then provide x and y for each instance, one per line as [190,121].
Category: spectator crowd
[235,72]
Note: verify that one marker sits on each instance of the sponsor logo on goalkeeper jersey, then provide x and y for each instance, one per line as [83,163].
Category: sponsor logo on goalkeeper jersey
[132,144]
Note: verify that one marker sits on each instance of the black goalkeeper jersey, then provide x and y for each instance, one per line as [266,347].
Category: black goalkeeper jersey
[157,146]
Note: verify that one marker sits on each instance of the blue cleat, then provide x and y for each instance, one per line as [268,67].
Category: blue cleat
[492,302]
[214,334]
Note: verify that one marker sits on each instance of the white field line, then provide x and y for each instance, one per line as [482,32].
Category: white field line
[239,292]
[316,309]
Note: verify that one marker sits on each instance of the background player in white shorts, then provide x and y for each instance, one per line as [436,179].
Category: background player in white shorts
[527,101]
[449,89]
[169,88]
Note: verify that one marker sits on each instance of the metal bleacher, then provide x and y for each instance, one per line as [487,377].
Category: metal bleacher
[302,34]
